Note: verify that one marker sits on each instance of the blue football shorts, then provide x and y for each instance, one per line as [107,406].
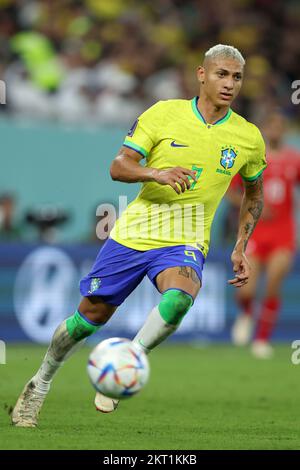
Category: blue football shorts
[118,270]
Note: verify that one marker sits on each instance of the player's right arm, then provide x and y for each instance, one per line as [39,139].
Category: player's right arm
[126,167]
[143,136]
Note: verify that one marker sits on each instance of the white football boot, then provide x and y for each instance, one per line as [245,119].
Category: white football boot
[105,404]
[242,330]
[26,411]
[262,349]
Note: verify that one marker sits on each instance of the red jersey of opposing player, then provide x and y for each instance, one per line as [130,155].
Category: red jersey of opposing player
[276,229]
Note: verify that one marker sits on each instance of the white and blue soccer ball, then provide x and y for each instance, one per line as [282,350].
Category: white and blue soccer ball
[118,368]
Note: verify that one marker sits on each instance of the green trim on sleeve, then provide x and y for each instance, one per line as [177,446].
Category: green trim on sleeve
[253,178]
[136,147]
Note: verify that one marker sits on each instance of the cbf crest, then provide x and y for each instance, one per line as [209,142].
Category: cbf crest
[95,284]
[228,156]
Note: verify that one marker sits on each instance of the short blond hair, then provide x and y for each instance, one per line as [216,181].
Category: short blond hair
[222,50]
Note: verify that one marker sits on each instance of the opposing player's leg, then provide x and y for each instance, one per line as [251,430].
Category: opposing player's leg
[242,329]
[277,267]
[92,313]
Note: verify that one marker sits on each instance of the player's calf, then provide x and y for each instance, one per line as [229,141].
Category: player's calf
[164,319]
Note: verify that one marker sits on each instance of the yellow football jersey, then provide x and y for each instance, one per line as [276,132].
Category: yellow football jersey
[174,133]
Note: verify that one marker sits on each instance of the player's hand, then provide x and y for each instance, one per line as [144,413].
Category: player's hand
[241,268]
[176,177]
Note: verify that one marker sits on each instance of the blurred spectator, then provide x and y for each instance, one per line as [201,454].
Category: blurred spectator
[105,61]
[47,219]
[9,230]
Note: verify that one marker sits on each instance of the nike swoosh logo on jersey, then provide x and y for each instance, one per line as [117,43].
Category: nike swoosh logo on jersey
[173,144]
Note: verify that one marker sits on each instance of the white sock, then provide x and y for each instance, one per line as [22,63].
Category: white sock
[46,372]
[154,331]
[62,346]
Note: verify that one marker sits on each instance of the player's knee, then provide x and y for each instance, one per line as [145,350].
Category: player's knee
[100,317]
[88,319]
[174,305]
[97,312]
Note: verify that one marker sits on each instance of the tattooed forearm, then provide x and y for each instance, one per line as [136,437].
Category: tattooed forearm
[248,231]
[254,198]
[256,209]
[251,208]
[248,228]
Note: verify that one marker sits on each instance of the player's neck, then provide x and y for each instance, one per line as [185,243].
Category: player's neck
[210,112]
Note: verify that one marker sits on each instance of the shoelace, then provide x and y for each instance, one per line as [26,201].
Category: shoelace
[32,405]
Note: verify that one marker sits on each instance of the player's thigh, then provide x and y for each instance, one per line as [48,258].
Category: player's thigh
[180,277]
[95,309]
[117,271]
[278,266]
[249,289]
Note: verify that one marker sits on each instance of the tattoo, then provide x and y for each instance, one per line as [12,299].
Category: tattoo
[248,231]
[255,195]
[248,228]
[256,209]
[254,198]
[183,271]
[189,273]
[253,184]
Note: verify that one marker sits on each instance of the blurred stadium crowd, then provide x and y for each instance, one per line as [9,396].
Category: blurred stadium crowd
[104,61]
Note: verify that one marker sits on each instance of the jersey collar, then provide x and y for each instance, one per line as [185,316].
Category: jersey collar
[199,115]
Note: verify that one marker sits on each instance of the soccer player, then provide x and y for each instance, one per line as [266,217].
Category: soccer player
[192,149]
[271,249]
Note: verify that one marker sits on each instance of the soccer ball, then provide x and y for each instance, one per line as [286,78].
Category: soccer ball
[118,368]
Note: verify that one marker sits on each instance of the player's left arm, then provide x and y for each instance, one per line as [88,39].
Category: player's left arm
[251,209]
[251,205]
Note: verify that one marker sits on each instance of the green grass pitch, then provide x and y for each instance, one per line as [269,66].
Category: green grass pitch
[215,397]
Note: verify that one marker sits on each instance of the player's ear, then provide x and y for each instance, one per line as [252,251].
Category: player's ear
[200,74]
